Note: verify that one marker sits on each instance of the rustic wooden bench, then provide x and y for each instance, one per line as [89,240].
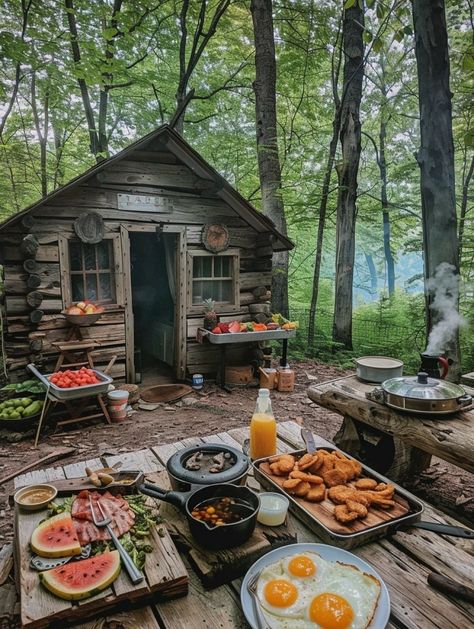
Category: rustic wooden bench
[415,437]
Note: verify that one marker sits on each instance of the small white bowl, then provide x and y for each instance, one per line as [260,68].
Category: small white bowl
[273,508]
[36,506]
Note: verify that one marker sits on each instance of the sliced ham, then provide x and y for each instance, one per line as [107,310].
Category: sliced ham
[115,507]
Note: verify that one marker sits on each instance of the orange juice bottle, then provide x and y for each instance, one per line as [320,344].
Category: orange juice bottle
[263,427]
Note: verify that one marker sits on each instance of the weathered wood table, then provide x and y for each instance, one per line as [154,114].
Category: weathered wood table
[403,561]
[416,437]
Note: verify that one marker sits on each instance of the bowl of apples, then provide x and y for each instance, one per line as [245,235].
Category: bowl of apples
[83,313]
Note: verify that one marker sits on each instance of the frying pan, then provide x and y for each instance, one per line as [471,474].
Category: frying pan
[215,537]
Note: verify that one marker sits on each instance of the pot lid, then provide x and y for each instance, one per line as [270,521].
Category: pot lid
[236,464]
[379,361]
[421,387]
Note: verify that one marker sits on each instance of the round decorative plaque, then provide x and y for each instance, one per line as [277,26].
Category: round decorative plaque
[89,227]
[215,237]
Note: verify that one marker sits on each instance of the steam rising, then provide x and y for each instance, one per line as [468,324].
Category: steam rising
[445,287]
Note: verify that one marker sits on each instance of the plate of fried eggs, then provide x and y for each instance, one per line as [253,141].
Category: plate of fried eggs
[316,586]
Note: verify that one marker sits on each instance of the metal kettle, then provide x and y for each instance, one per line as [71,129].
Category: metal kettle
[430,364]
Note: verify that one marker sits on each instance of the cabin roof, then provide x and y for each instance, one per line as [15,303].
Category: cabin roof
[195,162]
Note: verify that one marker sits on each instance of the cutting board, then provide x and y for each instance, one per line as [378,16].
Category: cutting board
[165,577]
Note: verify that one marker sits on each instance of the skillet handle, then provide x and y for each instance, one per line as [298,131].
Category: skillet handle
[444,529]
[175,498]
[308,439]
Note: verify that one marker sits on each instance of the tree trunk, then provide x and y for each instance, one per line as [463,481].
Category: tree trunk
[353,46]
[436,154]
[267,142]
[372,272]
[464,201]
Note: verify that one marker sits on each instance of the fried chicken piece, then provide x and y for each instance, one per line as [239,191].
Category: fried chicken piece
[316,464]
[334,477]
[340,493]
[359,508]
[360,496]
[282,464]
[386,493]
[381,487]
[309,478]
[317,493]
[357,467]
[342,514]
[301,490]
[345,466]
[291,483]
[305,461]
[380,501]
[366,483]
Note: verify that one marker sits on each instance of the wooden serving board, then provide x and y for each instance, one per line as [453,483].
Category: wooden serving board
[324,511]
[165,577]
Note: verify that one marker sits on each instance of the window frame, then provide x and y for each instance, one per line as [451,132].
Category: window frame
[115,268]
[221,306]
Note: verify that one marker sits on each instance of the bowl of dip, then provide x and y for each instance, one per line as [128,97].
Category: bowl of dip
[35,497]
[273,509]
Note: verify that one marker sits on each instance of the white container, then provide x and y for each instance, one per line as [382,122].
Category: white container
[273,508]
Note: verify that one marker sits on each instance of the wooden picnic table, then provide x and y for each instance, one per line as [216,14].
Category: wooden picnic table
[417,437]
[403,561]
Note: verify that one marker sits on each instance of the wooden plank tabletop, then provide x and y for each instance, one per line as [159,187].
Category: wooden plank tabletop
[448,437]
[403,561]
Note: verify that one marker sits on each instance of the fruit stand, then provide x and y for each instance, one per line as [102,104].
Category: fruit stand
[228,338]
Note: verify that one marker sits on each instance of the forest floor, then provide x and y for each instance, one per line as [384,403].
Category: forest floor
[211,411]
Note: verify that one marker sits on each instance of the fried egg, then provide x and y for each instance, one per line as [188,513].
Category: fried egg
[305,591]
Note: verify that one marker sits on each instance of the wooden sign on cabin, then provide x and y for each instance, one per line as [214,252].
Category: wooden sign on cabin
[143,203]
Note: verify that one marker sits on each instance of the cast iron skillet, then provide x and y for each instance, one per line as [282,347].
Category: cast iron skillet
[217,537]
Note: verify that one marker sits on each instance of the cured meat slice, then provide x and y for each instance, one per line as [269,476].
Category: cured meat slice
[115,507]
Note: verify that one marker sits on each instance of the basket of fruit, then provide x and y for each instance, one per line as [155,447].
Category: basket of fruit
[83,313]
[72,384]
[19,413]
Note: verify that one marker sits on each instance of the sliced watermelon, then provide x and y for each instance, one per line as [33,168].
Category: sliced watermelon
[56,537]
[80,579]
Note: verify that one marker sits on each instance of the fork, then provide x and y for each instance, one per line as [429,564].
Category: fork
[252,590]
[133,572]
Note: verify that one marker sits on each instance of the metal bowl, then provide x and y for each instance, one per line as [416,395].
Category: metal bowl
[378,368]
[21,493]
[82,320]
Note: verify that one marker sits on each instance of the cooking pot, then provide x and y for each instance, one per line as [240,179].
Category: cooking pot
[378,368]
[183,479]
[212,537]
[430,364]
[424,395]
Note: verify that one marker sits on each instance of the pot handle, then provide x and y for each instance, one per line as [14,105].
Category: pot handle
[444,529]
[174,497]
[444,363]
[465,400]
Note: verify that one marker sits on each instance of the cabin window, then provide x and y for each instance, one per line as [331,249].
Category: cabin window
[214,277]
[91,268]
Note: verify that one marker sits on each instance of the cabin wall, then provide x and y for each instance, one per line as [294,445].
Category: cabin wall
[189,201]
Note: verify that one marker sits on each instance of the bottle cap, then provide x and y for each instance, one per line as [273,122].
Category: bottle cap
[264,392]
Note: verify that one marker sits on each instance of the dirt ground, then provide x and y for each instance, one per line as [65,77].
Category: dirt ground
[211,411]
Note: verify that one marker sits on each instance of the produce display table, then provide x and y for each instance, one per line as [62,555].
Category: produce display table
[417,437]
[223,340]
[403,561]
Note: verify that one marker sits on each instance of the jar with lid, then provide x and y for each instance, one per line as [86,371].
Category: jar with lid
[286,378]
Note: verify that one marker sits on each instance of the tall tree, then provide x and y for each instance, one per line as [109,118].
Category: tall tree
[436,154]
[267,141]
[348,168]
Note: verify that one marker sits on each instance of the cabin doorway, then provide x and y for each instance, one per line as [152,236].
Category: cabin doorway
[153,277]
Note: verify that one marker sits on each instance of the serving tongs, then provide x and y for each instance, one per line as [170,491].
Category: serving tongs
[133,572]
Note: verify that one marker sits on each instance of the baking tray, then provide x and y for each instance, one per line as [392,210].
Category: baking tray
[247,337]
[347,540]
[76,392]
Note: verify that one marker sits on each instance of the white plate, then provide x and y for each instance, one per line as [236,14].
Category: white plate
[330,553]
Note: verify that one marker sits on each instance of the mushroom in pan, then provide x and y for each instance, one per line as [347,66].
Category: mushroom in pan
[193,463]
[219,461]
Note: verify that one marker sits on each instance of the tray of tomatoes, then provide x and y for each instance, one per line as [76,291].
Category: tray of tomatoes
[71,384]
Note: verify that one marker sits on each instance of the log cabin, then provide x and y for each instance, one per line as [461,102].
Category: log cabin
[148,233]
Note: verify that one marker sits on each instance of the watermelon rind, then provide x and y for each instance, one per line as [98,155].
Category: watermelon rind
[56,580]
[45,548]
